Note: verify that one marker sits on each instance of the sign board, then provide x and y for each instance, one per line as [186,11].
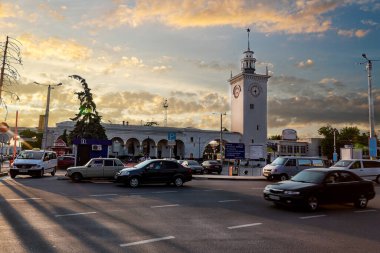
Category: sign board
[171,138]
[234,151]
[256,152]
[372,147]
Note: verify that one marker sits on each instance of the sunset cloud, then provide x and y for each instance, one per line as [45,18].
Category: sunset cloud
[353,33]
[53,47]
[305,64]
[268,17]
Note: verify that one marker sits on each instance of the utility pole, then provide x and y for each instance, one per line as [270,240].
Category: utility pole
[372,138]
[3,66]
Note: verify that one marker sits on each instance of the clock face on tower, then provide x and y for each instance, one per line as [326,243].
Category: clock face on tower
[236,91]
[255,89]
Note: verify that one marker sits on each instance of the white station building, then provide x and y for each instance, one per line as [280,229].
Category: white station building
[248,116]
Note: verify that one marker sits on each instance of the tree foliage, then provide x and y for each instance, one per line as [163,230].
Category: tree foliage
[87,119]
[346,136]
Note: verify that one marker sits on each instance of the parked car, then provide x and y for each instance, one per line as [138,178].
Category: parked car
[194,166]
[154,171]
[284,167]
[65,161]
[312,187]
[211,166]
[95,168]
[365,168]
[34,163]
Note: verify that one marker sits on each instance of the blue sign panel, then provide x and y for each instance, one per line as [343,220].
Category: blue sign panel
[372,147]
[235,151]
[171,136]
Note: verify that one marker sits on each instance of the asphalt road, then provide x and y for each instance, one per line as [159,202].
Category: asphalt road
[53,215]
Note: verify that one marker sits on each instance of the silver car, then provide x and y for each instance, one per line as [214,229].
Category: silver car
[95,168]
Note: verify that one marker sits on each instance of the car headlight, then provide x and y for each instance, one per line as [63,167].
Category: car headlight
[291,193]
[124,173]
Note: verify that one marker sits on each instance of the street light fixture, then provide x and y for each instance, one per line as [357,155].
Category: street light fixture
[46,122]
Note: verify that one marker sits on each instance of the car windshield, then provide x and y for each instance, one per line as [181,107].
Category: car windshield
[279,161]
[192,163]
[307,176]
[33,155]
[142,164]
[343,163]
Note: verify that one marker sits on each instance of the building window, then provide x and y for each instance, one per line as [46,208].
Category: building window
[290,149]
[283,149]
[257,127]
[303,150]
[251,106]
[191,139]
[296,149]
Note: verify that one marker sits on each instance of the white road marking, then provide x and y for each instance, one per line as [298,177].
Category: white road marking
[146,241]
[229,200]
[244,226]
[366,211]
[22,199]
[258,188]
[73,214]
[313,216]
[104,195]
[164,206]
[165,192]
[211,190]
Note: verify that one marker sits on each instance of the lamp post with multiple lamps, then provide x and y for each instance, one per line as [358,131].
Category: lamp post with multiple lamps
[46,122]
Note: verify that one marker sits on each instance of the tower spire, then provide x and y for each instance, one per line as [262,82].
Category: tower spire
[248,30]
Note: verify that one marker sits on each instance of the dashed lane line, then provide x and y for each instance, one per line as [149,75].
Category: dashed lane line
[312,216]
[104,195]
[73,214]
[245,225]
[229,200]
[22,199]
[164,206]
[147,241]
[366,211]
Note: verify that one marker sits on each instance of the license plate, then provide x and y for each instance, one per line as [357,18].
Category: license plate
[274,197]
[23,170]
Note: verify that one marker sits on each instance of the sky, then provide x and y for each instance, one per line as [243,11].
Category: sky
[135,54]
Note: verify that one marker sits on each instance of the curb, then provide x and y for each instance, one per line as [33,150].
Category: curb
[224,177]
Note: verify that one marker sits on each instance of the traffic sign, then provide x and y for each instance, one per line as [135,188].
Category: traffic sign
[171,138]
[235,151]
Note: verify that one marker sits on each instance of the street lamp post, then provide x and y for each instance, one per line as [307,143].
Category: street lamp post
[46,121]
[372,139]
[221,136]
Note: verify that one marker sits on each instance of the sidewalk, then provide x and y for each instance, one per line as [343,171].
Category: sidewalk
[226,177]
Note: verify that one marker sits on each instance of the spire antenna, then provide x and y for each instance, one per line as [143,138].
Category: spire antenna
[248,30]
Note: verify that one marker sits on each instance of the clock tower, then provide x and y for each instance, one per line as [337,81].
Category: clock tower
[249,106]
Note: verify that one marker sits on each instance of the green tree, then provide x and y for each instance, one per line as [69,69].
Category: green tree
[275,137]
[87,119]
[64,137]
[327,143]
[31,139]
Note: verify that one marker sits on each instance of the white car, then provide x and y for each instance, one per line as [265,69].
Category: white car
[365,168]
[34,163]
[96,168]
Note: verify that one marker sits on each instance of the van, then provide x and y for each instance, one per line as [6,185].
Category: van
[284,167]
[364,168]
[34,163]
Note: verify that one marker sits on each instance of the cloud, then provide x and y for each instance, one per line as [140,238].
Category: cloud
[266,16]
[124,62]
[53,48]
[56,14]
[333,81]
[161,69]
[305,64]
[353,33]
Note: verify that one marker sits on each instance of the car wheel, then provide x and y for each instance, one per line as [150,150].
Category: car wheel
[361,202]
[134,182]
[378,179]
[41,173]
[219,172]
[206,171]
[283,177]
[178,181]
[13,175]
[76,177]
[202,172]
[53,172]
[312,203]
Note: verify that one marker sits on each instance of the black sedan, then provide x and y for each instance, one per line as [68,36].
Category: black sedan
[212,166]
[313,187]
[154,171]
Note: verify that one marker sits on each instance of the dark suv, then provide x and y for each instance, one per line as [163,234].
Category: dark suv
[212,166]
[154,171]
